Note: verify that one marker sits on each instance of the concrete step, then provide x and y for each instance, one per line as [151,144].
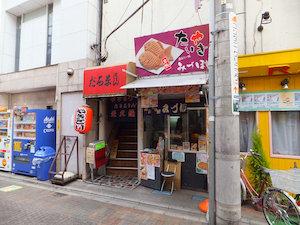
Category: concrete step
[123,162]
[128,132]
[127,154]
[127,138]
[127,145]
[121,171]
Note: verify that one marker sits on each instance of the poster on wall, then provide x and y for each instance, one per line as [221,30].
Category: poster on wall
[173,52]
[150,172]
[270,101]
[178,156]
[148,163]
[201,163]
[145,104]
[234,62]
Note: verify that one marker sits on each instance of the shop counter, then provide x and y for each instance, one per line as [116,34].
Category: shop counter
[192,177]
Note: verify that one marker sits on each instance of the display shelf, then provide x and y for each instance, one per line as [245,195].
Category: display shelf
[3,128]
[23,130]
[3,119]
[26,122]
[24,138]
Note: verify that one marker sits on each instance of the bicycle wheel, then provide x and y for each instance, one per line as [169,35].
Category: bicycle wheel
[279,208]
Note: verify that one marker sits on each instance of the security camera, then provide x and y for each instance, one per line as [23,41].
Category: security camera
[70,72]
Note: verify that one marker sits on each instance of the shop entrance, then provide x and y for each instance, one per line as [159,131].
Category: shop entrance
[175,140]
[123,160]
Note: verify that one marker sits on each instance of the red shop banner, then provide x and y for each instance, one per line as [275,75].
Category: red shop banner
[104,81]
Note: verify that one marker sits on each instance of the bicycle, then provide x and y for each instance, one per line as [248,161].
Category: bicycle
[247,188]
[277,205]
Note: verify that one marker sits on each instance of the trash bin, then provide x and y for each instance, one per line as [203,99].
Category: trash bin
[43,159]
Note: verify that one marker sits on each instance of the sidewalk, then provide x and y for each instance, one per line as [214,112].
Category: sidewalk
[180,204]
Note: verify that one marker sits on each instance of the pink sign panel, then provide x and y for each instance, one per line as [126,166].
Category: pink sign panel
[173,52]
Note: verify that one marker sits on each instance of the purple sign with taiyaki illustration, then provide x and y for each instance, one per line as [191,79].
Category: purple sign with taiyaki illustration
[173,52]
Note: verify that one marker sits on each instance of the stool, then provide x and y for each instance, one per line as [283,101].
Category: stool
[168,176]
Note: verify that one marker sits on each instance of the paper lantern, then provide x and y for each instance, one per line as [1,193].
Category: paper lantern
[83,119]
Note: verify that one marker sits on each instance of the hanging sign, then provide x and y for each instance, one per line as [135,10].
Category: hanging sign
[270,101]
[234,62]
[104,81]
[83,119]
[173,52]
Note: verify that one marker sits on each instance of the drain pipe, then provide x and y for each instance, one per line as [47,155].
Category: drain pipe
[100,32]
[245,27]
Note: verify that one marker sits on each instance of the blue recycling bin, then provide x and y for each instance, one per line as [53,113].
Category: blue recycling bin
[43,159]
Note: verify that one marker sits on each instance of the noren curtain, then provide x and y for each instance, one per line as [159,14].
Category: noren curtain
[247,126]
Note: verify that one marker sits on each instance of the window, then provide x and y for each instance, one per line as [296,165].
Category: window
[49,34]
[286,133]
[33,40]
[247,127]
[18,36]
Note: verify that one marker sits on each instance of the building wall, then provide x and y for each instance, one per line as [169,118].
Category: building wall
[157,16]
[34,100]
[7,40]
[75,29]
[271,83]
[282,33]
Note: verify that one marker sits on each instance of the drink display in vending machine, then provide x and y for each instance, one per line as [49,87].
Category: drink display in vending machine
[5,140]
[32,129]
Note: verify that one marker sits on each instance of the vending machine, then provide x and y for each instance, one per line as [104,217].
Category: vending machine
[32,129]
[5,140]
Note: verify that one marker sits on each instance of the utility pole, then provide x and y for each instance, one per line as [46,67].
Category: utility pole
[226,205]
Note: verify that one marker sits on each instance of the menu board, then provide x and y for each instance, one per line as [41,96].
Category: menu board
[148,164]
[270,101]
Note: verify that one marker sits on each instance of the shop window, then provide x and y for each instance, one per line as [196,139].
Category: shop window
[247,127]
[153,129]
[197,127]
[286,133]
[178,130]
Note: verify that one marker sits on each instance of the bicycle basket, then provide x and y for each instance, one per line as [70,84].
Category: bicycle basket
[288,180]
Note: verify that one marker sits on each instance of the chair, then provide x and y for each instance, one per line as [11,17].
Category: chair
[168,176]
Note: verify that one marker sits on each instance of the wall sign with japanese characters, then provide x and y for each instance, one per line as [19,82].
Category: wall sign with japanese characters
[173,52]
[104,81]
[122,107]
[171,107]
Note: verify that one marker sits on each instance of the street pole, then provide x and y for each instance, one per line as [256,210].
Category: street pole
[227,146]
[211,106]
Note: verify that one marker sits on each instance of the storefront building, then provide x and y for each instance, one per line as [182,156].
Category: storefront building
[270,101]
[115,111]
[172,107]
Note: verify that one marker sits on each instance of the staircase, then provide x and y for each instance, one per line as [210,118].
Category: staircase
[125,162]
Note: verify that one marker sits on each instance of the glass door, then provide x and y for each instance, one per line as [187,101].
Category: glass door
[197,128]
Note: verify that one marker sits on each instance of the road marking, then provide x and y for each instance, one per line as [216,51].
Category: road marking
[10,188]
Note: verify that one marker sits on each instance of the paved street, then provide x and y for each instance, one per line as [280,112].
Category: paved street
[30,205]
